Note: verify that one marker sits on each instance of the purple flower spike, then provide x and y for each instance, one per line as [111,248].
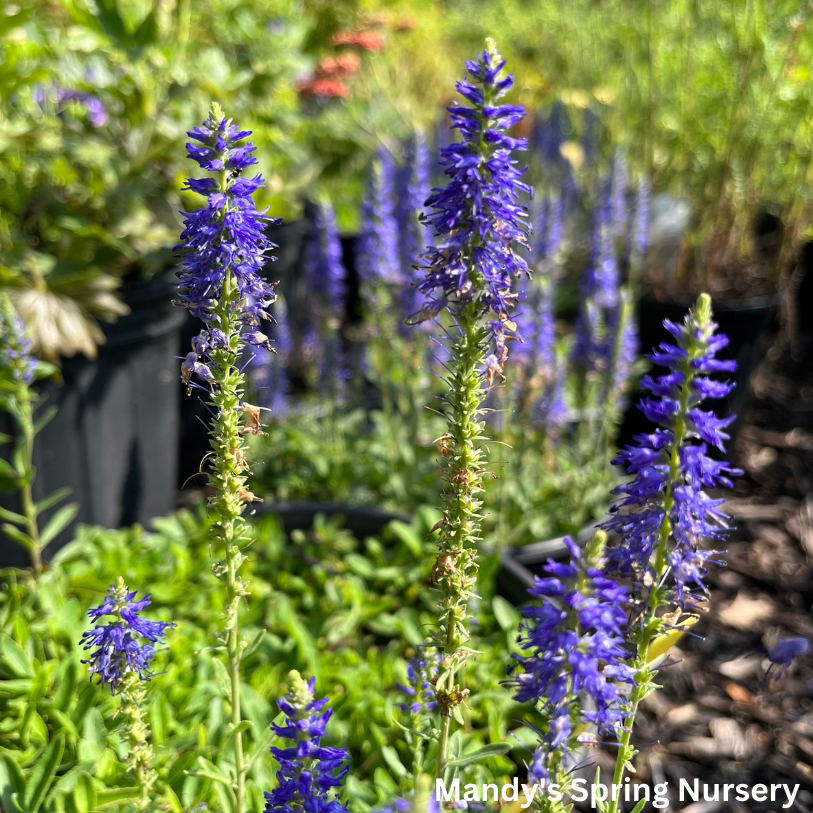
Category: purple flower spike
[308,770]
[323,261]
[422,672]
[573,638]
[665,499]
[15,346]
[126,644]
[477,215]
[378,249]
[224,243]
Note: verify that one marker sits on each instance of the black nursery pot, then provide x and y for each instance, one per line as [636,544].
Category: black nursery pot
[114,439]
[743,321]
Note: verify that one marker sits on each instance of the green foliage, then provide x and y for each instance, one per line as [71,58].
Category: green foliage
[349,612]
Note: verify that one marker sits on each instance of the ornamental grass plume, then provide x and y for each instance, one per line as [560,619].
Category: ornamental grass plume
[469,273]
[222,252]
[663,512]
[122,653]
[309,771]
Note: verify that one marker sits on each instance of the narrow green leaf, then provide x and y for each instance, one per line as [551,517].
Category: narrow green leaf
[44,418]
[53,499]
[84,794]
[13,658]
[495,749]
[58,522]
[43,774]
[11,516]
[256,641]
[18,536]
[11,780]
[506,614]
[115,795]
[639,807]
[222,675]
[66,688]
[393,761]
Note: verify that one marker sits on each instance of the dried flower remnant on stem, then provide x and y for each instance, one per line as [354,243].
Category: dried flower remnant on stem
[121,656]
[222,251]
[470,273]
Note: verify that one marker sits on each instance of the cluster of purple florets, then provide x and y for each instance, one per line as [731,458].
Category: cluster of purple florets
[476,216]
[573,637]
[94,106]
[657,488]
[422,673]
[224,239]
[15,346]
[308,770]
[125,644]
[378,257]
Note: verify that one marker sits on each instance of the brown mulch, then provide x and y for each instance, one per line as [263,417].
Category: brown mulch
[716,717]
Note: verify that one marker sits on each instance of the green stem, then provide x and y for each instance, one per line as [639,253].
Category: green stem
[25,421]
[455,570]
[228,479]
[136,730]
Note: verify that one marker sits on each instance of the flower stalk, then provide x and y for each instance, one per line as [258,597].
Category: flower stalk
[470,273]
[223,248]
[123,650]
[663,510]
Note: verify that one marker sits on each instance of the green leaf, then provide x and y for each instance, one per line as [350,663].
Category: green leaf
[160,718]
[66,690]
[58,522]
[11,516]
[44,418]
[506,614]
[639,807]
[495,749]
[11,780]
[43,774]
[13,658]
[53,499]
[84,794]
[391,758]
[115,795]
[222,676]
[256,641]
[18,536]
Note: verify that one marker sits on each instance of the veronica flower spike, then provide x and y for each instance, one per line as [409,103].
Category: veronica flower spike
[470,273]
[222,252]
[309,771]
[663,513]
[121,657]
[573,642]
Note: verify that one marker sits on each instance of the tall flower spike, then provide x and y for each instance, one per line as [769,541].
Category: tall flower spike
[413,189]
[15,347]
[470,273]
[222,252]
[309,771]
[573,641]
[323,261]
[378,249]
[223,245]
[123,650]
[477,215]
[663,512]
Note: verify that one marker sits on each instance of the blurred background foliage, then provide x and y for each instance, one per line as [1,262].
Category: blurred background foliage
[714,102]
